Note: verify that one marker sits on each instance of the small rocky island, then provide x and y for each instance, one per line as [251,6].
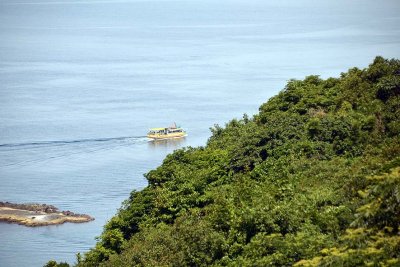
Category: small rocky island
[34,214]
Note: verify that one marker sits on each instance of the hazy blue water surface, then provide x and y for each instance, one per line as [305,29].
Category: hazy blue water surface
[81,81]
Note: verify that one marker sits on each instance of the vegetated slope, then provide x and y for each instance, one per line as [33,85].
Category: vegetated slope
[312,180]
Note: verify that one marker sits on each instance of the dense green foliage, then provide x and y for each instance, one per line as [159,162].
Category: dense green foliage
[312,180]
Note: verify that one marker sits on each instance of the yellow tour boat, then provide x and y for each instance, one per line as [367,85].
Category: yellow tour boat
[166,133]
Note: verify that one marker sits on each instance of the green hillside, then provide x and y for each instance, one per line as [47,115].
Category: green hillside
[312,180]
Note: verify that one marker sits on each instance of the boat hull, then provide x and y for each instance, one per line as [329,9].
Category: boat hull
[166,136]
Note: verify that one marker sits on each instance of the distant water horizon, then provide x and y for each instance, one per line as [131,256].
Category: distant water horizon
[82,81]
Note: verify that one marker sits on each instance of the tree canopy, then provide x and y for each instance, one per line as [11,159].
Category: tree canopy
[313,179]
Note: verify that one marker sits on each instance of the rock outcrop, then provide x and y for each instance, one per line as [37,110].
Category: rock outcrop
[34,214]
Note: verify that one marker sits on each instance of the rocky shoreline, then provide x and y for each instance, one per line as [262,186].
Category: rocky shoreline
[33,214]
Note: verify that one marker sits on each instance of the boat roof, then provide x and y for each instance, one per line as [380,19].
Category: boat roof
[163,128]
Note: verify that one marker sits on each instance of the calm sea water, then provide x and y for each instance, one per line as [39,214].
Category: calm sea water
[82,81]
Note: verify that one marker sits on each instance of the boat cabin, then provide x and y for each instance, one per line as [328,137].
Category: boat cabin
[166,132]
